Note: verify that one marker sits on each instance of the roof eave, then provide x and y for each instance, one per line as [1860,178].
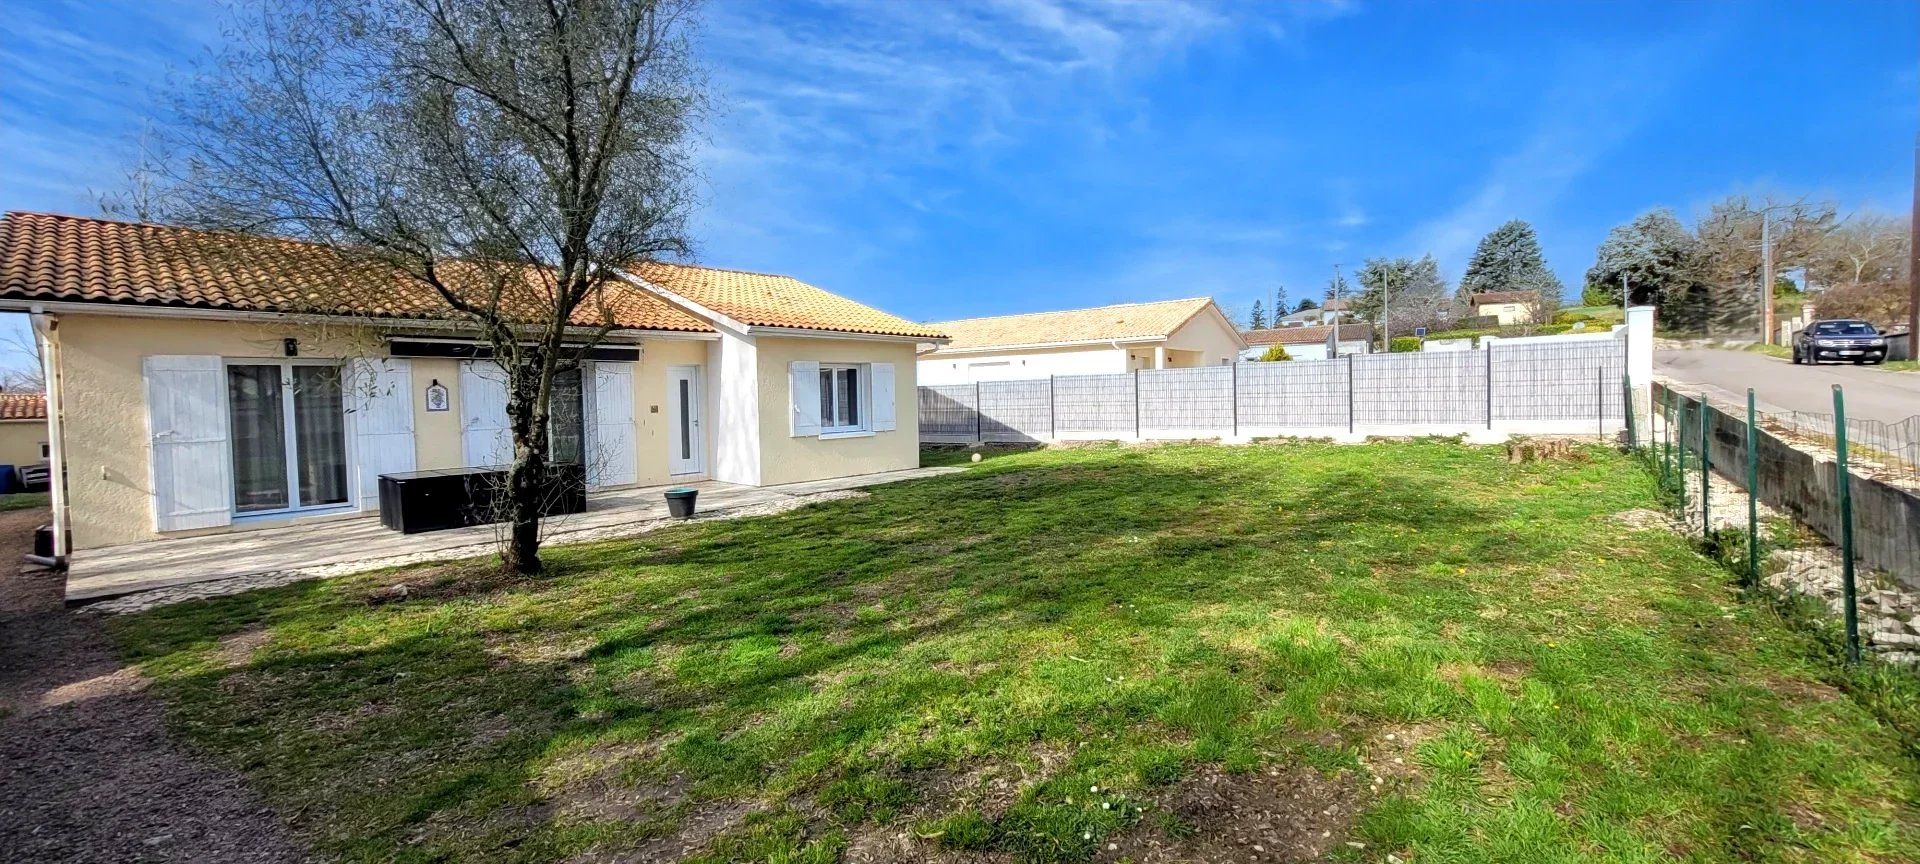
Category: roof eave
[147,310]
[1030,346]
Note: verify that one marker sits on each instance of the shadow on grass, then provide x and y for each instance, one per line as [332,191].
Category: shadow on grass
[787,660]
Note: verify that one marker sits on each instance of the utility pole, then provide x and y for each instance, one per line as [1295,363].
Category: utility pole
[1624,298]
[1766,276]
[1913,262]
[1334,351]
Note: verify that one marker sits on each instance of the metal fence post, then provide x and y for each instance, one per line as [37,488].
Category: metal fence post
[1753,493]
[1842,476]
[1680,454]
[1626,391]
[1233,394]
[1706,465]
[977,439]
[1350,408]
[1489,350]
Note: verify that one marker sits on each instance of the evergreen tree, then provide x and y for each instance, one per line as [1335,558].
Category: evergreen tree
[1662,263]
[1509,259]
[1305,304]
[1258,319]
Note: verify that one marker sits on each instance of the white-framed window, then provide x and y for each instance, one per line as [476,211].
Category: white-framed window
[843,398]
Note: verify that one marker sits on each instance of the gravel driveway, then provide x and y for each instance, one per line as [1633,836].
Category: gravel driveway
[87,770]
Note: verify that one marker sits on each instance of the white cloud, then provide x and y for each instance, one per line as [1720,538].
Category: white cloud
[833,110]
[1596,104]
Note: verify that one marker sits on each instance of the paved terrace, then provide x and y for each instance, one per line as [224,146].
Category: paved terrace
[357,544]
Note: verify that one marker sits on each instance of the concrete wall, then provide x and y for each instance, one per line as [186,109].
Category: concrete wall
[21,440]
[787,459]
[1806,485]
[1021,365]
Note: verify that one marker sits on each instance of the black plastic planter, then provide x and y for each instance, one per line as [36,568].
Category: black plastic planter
[680,502]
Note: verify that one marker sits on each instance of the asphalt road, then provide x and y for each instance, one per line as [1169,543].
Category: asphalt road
[1872,394]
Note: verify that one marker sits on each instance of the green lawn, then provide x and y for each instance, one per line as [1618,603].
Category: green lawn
[23,501]
[1410,649]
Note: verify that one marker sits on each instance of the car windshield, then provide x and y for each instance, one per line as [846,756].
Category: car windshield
[1844,328]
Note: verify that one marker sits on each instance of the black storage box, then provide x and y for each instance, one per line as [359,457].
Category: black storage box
[415,501]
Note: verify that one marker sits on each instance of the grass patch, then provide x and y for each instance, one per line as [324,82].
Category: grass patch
[1781,351]
[25,501]
[1060,649]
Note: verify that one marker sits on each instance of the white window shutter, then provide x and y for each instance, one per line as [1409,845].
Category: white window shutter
[192,470]
[486,437]
[883,397]
[803,392]
[380,398]
[611,459]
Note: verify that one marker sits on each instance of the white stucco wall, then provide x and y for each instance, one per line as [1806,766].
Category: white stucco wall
[967,368]
[734,406]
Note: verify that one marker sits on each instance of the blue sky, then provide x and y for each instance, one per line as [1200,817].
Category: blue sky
[947,159]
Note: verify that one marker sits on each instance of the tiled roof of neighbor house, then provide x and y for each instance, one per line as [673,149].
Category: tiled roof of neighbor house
[1503,297]
[1154,320]
[68,258]
[769,300]
[23,406]
[1307,335]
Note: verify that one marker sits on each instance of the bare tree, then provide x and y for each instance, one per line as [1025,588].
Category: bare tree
[510,156]
[1862,267]
[1731,251]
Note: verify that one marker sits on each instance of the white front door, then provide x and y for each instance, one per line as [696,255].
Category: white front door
[684,444]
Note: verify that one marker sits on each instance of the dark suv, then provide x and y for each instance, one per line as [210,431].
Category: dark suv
[1843,339]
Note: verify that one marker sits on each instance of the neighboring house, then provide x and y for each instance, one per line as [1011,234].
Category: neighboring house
[23,429]
[206,382]
[1169,334]
[1323,315]
[1506,307]
[1310,343]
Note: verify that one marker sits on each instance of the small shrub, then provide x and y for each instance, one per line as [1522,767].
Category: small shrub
[1403,344]
[1275,353]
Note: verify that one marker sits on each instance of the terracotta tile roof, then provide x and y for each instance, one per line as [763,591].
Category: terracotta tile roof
[1308,335]
[23,406]
[1503,297]
[69,258]
[771,300]
[1155,320]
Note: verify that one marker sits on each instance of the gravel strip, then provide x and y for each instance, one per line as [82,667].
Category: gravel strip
[88,772]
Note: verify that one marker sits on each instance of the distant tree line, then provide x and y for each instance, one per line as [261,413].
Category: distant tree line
[1706,278]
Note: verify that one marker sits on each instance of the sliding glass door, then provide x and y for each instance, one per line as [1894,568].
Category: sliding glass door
[288,423]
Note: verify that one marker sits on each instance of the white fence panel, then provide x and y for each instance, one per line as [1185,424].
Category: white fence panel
[1302,394]
[1186,403]
[1094,406]
[1445,389]
[1569,386]
[947,412]
[1569,383]
[1016,411]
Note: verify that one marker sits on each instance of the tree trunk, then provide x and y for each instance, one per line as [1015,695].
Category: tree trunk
[526,486]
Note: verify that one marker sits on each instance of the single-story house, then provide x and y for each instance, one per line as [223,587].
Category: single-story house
[23,429]
[1167,334]
[1325,313]
[1311,343]
[1506,307]
[208,382]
